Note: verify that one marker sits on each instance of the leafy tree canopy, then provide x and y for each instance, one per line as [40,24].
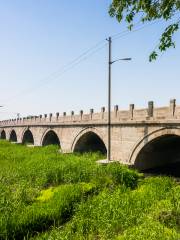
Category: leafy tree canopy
[147,11]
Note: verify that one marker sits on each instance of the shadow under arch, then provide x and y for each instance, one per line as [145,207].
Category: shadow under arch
[3,134]
[28,137]
[13,136]
[49,138]
[90,142]
[160,155]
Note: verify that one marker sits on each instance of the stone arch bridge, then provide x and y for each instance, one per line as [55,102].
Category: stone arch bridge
[146,138]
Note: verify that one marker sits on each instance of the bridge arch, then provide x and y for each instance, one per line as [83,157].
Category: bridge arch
[50,137]
[157,149]
[27,137]
[89,139]
[13,136]
[3,134]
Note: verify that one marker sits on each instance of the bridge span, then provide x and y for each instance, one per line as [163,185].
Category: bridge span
[145,138]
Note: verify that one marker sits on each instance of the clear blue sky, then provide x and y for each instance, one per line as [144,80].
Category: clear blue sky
[37,38]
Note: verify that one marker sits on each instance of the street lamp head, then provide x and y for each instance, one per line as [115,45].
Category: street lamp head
[126,59]
[121,59]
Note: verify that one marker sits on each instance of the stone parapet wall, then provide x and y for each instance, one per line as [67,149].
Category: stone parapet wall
[133,115]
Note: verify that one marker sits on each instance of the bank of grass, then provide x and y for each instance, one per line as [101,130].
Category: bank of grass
[151,211]
[48,195]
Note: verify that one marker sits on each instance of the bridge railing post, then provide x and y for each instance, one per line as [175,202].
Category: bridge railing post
[50,117]
[40,117]
[131,111]
[150,109]
[57,116]
[172,107]
[81,114]
[116,108]
[102,112]
[45,117]
[91,113]
[64,115]
[72,115]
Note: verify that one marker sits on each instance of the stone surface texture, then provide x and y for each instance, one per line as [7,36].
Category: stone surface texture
[131,130]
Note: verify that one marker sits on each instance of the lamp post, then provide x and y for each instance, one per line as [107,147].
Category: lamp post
[110,62]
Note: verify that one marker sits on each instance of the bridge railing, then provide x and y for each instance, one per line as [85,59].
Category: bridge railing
[150,113]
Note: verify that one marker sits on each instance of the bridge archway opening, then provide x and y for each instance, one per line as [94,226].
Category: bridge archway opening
[90,142]
[160,156]
[50,138]
[13,136]
[28,137]
[3,134]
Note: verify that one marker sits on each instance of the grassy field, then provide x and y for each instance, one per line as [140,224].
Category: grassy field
[48,195]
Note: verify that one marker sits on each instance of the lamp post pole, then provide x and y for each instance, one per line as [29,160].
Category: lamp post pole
[110,62]
[109,103]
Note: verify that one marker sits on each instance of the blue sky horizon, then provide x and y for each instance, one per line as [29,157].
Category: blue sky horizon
[38,38]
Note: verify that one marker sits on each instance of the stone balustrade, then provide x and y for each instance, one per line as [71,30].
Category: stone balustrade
[117,116]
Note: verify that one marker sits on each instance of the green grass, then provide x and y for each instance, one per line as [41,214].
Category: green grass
[48,195]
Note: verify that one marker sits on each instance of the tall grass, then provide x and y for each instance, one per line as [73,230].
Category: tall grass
[126,214]
[29,175]
[48,195]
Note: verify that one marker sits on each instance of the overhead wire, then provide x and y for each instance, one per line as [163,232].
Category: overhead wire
[117,36]
[97,47]
[82,57]
[69,67]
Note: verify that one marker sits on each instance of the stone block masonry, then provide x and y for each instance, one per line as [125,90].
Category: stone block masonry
[135,133]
